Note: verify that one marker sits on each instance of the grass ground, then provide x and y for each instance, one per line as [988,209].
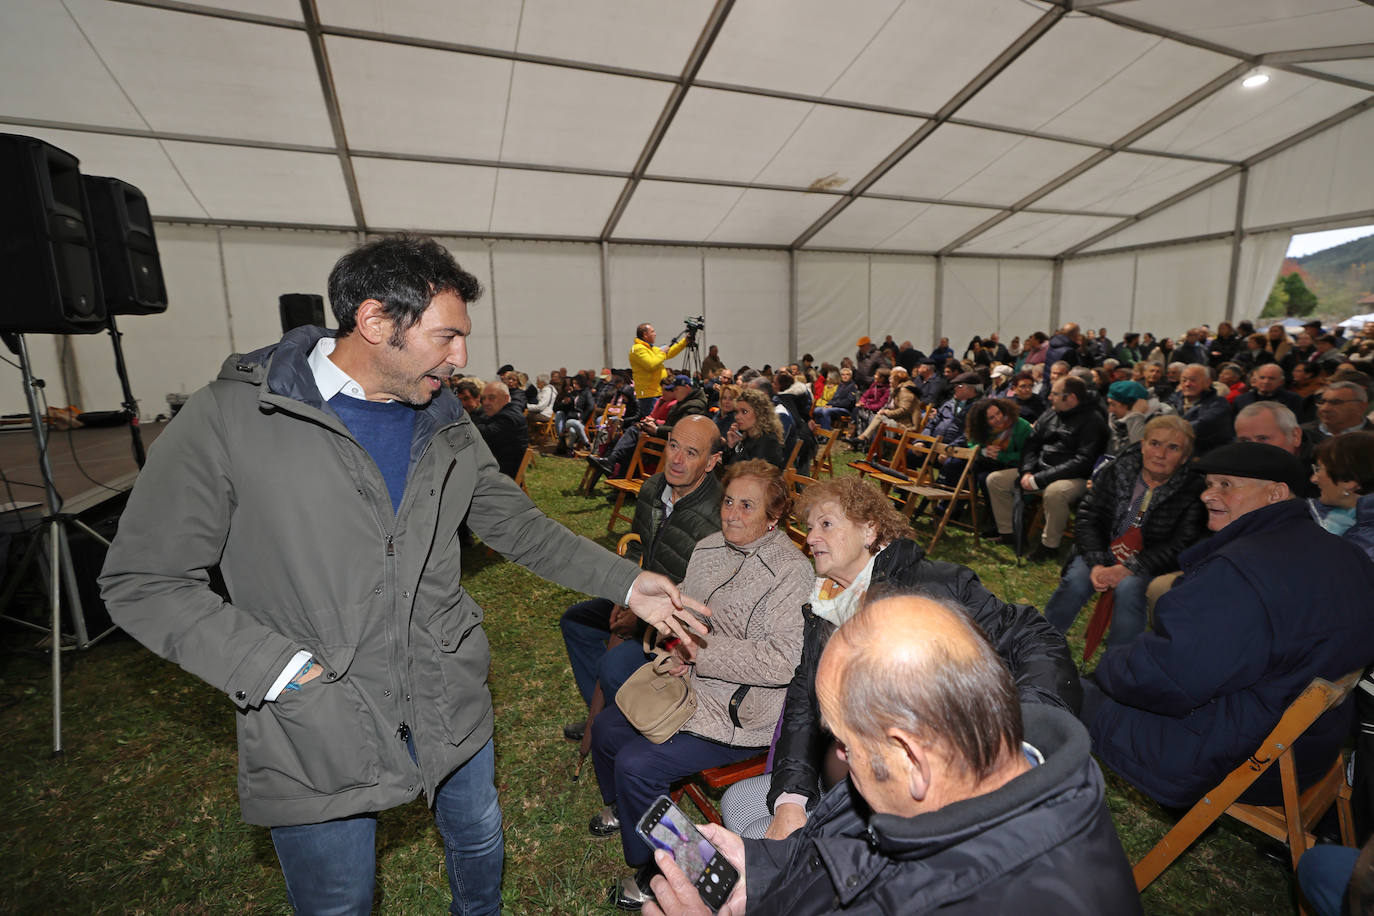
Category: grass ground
[139,815]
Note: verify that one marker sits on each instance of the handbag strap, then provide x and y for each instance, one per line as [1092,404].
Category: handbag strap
[735,700]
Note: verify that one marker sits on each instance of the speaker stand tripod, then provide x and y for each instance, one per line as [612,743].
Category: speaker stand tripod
[61,572]
[130,404]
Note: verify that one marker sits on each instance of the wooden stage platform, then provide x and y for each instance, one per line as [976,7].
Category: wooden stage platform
[89,466]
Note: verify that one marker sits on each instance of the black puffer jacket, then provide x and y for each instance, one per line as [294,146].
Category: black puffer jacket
[695,404]
[1037,655]
[1213,422]
[1065,445]
[1043,843]
[666,544]
[1176,518]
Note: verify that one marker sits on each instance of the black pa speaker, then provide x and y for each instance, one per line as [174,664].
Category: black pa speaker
[300,308]
[130,271]
[47,248]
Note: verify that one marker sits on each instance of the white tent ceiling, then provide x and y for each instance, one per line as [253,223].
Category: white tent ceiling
[958,127]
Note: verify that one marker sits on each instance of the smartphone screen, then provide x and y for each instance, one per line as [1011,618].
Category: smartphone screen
[665,827]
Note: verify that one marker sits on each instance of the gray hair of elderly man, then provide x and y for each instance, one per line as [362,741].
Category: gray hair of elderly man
[948,688]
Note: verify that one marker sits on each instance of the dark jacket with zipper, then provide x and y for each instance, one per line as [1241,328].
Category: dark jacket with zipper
[1176,518]
[666,543]
[1264,605]
[1064,445]
[1035,652]
[1043,843]
[257,475]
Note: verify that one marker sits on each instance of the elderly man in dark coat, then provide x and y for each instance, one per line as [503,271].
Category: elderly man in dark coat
[1265,605]
[1198,402]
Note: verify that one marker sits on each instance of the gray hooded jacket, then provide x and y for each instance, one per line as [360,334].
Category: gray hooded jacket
[258,476]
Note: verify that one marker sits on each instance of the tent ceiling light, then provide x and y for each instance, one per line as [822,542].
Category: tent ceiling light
[1255,80]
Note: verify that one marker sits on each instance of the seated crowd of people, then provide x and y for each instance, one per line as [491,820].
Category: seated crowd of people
[930,744]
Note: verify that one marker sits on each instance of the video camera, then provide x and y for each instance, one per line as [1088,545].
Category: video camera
[694,324]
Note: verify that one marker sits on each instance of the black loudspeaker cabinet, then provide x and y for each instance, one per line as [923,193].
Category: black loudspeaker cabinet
[130,271]
[52,278]
[300,308]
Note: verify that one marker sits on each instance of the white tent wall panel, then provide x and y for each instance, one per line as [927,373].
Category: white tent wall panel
[747,305]
[474,256]
[986,295]
[547,297]
[1181,286]
[657,285]
[1261,256]
[1211,210]
[1099,292]
[832,303]
[261,264]
[1326,175]
[901,302]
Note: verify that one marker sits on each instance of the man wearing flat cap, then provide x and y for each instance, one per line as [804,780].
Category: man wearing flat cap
[947,423]
[1267,603]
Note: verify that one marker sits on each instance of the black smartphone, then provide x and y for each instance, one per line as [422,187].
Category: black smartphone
[665,827]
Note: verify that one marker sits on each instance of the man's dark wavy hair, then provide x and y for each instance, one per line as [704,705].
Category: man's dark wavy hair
[403,273]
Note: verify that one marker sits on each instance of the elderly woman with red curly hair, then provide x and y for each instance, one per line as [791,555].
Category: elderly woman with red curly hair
[858,543]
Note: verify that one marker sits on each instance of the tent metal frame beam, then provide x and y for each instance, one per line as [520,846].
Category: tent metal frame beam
[998,64]
[1285,144]
[1192,99]
[310,23]
[331,104]
[146,134]
[714,23]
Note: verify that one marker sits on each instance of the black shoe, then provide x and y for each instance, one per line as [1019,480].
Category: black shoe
[1042,554]
[602,465]
[630,892]
[605,823]
[575,730]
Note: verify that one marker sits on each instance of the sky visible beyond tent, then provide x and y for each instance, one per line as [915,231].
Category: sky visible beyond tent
[1312,242]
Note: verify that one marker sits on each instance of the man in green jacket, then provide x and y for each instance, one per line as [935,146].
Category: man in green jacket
[676,507]
[326,477]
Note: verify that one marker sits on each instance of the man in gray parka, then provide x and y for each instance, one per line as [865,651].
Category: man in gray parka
[326,477]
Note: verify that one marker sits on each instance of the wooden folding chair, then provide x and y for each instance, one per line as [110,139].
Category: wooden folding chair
[963,491]
[647,455]
[525,462]
[717,778]
[885,461]
[822,464]
[1293,820]
[792,458]
[543,433]
[796,526]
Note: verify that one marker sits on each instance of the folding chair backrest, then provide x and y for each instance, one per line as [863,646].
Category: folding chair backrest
[651,455]
[525,462]
[822,464]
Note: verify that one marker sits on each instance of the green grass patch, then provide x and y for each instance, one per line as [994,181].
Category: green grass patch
[140,815]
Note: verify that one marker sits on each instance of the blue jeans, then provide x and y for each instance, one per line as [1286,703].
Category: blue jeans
[330,868]
[586,627]
[1323,874]
[825,416]
[632,771]
[1075,588]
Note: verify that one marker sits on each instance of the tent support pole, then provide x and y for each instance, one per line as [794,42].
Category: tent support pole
[793,332]
[606,304]
[1056,292]
[1236,237]
[937,319]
